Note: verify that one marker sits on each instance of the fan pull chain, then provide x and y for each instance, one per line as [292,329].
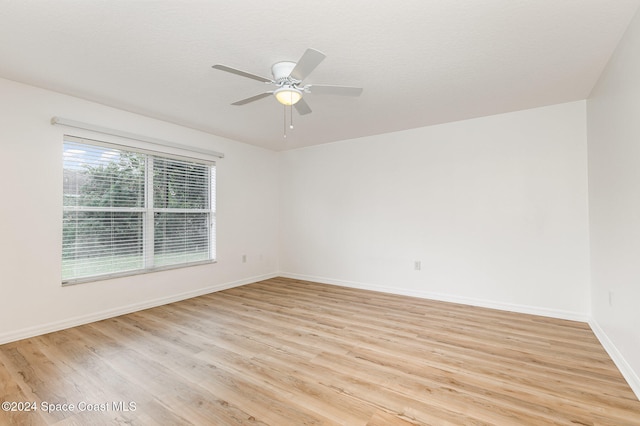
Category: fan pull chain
[291,116]
[284,121]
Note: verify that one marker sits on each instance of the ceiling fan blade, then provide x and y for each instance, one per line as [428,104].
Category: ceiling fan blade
[309,61]
[241,73]
[302,107]
[252,98]
[325,89]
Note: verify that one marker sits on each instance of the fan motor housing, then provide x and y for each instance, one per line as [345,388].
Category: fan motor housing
[281,71]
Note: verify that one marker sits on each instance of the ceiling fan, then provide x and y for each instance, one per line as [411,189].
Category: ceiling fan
[288,77]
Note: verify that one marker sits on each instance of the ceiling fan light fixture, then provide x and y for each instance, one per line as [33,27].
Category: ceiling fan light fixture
[288,95]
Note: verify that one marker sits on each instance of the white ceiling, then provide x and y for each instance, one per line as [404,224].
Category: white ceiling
[420,62]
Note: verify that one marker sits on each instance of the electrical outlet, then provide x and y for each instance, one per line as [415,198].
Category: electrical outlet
[610,298]
[417,265]
[244,258]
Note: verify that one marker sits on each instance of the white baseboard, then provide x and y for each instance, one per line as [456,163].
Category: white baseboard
[625,368]
[110,313]
[511,307]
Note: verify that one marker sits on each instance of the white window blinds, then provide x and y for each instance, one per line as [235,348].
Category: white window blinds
[127,211]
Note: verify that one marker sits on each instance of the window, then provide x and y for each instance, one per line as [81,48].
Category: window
[128,211]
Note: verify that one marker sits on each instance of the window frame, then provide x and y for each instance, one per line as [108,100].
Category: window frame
[148,210]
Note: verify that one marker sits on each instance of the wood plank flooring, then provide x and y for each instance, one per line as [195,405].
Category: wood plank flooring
[286,352]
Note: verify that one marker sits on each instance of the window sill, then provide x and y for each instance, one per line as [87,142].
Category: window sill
[94,278]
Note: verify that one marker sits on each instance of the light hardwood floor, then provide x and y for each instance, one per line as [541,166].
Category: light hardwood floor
[287,352]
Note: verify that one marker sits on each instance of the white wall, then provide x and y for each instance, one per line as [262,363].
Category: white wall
[32,299]
[495,209]
[613,117]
